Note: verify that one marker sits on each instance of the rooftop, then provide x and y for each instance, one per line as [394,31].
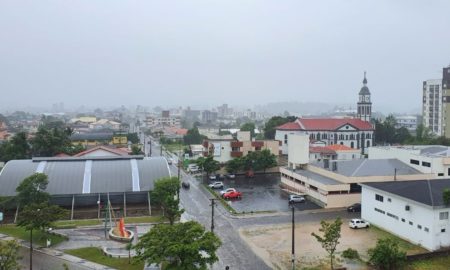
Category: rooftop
[427,192]
[319,178]
[424,150]
[369,167]
[69,176]
[325,124]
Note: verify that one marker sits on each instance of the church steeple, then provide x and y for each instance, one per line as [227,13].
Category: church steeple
[364,103]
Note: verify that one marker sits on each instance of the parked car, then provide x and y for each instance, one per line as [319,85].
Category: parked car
[193,168]
[358,223]
[212,177]
[169,161]
[216,185]
[232,195]
[185,185]
[354,208]
[231,176]
[226,191]
[220,176]
[296,199]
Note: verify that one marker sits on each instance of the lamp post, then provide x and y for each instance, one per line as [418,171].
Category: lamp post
[293,237]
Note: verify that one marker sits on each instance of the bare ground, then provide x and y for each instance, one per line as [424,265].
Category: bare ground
[273,244]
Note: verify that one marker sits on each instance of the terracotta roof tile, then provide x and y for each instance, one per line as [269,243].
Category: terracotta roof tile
[332,123]
[289,126]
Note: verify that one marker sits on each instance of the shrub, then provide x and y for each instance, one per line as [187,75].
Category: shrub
[350,253]
[386,255]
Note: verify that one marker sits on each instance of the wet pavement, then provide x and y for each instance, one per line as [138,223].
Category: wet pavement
[262,193]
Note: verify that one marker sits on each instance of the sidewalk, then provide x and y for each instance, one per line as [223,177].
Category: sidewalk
[56,253]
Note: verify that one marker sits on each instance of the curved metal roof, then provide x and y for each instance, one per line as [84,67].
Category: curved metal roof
[85,176]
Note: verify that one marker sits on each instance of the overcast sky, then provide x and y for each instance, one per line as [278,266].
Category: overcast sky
[105,53]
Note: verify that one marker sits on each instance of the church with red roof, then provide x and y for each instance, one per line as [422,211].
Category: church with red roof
[355,132]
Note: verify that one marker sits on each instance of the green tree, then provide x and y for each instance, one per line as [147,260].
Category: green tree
[193,136]
[331,233]
[165,194]
[50,141]
[273,123]
[234,165]
[446,196]
[208,164]
[133,138]
[182,246]
[9,255]
[249,127]
[386,255]
[17,148]
[136,150]
[37,213]
[265,160]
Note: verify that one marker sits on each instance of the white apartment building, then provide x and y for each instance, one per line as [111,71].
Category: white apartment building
[430,159]
[151,121]
[407,121]
[432,106]
[412,210]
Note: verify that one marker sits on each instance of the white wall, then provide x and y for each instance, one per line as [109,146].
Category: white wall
[418,214]
[280,136]
[298,149]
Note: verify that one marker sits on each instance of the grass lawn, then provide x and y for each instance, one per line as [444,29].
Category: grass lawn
[66,224]
[62,224]
[145,219]
[96,255]
[403,244]
[438,263]
[39,237]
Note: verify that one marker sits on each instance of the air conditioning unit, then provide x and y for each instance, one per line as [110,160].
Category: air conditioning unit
[407,208]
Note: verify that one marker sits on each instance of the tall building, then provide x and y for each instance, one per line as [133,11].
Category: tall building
[432,106]
[446,100]
[364,103]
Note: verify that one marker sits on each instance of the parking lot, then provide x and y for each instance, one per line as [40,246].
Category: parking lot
[261,193]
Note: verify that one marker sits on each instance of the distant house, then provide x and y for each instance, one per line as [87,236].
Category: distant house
[412,210]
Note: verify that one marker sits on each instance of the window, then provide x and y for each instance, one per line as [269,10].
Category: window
[389,200]
[379,210]
[443,230]
[426,229]
[392,216]
[443,215]
[378,197]
[403,220]
[411,223]
[419,226]
[426,164]
[440,174]
[414,161]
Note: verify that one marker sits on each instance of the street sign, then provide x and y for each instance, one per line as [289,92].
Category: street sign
[1,216]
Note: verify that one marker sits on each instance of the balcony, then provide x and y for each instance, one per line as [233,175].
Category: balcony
[257,144]
[236,144]
[236,154]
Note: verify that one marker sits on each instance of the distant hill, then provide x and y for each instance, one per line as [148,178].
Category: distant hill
[300,108]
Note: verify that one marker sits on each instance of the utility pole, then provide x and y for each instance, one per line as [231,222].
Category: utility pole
[293,238]
[150,152]
[179,179]
[213,202]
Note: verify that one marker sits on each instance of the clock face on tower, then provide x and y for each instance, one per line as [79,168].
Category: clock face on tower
[367,99]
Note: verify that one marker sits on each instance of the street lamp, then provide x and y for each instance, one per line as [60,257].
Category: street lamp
[293,237]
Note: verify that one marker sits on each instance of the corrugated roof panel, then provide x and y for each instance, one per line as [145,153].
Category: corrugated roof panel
[64,177]
[13,174]
[111,176]
[151,170]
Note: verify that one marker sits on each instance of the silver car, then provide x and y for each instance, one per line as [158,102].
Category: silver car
[216,185]
[296,199]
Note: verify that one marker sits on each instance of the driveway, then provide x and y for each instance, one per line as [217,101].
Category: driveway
[262,193]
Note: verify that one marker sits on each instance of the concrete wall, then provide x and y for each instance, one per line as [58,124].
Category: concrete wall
[410,225]
[298,149]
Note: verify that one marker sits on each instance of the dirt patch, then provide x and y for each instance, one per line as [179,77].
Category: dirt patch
[273,243]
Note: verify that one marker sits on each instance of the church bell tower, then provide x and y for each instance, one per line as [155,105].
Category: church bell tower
[364,103]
